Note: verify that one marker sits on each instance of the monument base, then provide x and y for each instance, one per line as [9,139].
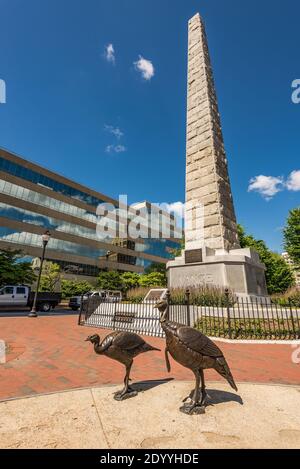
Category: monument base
[237,269]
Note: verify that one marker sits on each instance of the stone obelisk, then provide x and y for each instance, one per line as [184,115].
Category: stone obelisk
[207,180]
[212,252]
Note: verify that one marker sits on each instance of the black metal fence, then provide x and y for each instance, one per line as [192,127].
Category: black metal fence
[141,318]
[241,320]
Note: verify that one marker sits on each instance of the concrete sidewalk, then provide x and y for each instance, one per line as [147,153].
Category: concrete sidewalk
[259,416]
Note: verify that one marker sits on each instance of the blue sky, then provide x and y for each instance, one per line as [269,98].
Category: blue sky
[66,97]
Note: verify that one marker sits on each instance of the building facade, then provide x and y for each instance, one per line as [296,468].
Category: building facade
[34,199]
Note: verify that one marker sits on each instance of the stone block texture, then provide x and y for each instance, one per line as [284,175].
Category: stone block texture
[207,179]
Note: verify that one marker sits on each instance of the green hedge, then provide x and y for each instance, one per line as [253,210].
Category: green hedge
[204,296]
[247,329]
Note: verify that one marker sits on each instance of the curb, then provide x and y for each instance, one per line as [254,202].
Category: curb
[295,342]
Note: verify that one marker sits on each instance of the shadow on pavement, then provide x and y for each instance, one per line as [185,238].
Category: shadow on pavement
[215,397]
[219,397]
[147,385]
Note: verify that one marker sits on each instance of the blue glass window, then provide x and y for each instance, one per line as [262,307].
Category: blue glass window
[37,178]
[21,237]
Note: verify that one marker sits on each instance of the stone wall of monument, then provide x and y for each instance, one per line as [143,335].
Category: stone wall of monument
[207,179]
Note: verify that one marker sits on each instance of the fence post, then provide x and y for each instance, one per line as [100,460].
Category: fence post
[187,302]
[168,298]
[292,318]
[114,312]
[228,312]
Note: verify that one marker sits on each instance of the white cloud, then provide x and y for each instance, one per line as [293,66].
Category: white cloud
[177,208]
[115,149]
[293,182]
[110,53]
[114,131]
[267,186]
[145,67]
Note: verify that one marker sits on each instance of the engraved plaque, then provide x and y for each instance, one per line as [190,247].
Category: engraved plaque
[193,255]
[123,316]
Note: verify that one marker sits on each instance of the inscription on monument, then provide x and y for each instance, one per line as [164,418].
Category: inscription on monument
[193,255]
[196,280]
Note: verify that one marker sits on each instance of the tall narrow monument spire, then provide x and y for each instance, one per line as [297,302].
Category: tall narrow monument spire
[212,254]
[207,180]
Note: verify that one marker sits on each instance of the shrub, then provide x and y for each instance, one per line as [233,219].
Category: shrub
[153,280]
[199,296]
[291,297]
[111,280]
[130,280]
[136,295]
[74,288]
[203,296]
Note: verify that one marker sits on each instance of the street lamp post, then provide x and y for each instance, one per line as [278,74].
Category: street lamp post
[45,240]
[108,253]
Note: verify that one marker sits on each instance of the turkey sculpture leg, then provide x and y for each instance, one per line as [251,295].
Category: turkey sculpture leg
[196,406]
[127,391]
[203,389]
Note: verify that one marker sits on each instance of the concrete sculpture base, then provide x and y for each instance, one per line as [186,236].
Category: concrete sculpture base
[238,269]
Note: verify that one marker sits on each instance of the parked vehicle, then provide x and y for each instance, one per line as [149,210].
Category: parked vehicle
[114,296]
[106,296]
[19,296]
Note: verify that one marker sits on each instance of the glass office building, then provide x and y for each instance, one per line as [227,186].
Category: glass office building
[34,199]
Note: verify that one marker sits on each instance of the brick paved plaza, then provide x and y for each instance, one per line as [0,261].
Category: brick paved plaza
[49,354]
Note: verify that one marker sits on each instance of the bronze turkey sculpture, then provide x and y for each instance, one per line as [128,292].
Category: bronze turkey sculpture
[195,351]
[122,347]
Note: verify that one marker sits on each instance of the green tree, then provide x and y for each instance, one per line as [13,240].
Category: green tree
[178,251]
[291,235]
[74,288]
[279,276]
[12,270]
[155,279]
[50,278]
[130,280]
[110,280]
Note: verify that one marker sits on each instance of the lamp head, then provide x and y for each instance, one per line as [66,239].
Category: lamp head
[46,237]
